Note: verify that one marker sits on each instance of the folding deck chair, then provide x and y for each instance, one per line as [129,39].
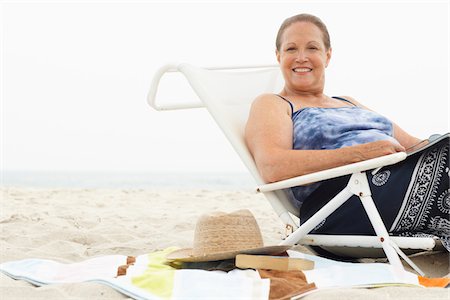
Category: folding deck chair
[227,94]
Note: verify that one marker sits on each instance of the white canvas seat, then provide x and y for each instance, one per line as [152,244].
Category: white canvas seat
[227,94]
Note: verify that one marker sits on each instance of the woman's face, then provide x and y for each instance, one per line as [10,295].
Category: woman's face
[303,57]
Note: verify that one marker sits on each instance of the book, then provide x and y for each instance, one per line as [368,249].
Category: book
[280,263]
[432,140]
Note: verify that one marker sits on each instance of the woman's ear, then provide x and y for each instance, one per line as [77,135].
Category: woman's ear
[328,57]
[277,53]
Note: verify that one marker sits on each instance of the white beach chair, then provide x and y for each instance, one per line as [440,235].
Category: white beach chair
[227,93]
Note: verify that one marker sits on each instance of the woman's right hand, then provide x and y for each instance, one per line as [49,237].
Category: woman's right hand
[377,149]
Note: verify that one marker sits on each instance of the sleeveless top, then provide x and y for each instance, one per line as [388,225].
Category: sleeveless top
[317,128]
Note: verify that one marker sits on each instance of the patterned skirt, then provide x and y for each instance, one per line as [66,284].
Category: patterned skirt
[412,196]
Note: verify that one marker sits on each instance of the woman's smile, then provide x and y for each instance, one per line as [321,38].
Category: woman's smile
[302,70]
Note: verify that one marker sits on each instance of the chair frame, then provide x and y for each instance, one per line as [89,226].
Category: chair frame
[357,185]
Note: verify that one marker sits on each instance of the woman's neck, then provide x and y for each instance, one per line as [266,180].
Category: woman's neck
[305,96]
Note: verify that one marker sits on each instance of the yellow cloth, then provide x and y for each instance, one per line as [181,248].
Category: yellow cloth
[158,278]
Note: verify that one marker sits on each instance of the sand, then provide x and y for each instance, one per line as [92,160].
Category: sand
[70,225]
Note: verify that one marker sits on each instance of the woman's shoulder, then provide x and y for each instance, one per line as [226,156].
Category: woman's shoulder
[351,100]
[265,96]
[268,99]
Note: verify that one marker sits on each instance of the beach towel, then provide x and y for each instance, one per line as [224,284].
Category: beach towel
[151,276]
[143,277]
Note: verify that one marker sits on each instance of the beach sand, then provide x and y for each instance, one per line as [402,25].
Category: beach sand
[71,225]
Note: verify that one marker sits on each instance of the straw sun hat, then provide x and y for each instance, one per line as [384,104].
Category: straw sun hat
[221,236]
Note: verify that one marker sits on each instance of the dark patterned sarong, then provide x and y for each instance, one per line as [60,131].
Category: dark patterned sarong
[412,196]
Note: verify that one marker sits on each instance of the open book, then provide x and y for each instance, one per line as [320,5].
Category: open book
[432,140]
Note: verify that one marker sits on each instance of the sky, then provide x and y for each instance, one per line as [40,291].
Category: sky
[75,75]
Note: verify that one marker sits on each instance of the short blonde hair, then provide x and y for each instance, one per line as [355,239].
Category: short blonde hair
[304,18]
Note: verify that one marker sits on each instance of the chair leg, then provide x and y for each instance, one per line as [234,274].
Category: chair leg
[359,185]
[407,259]
[318,217]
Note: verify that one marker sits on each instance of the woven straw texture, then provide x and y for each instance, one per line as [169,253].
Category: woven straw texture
[221,236]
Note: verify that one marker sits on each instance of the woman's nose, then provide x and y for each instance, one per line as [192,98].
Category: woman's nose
[301,56]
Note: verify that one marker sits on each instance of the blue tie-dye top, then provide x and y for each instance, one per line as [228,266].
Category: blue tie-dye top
[318,128]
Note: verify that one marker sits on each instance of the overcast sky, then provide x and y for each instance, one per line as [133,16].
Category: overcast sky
[75,76]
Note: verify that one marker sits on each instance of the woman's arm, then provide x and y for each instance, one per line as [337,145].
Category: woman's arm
[269,135]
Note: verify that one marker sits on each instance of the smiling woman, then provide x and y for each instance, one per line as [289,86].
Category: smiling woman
[303,51]
[302,130]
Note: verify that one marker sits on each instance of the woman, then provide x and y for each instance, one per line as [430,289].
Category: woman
[301,130]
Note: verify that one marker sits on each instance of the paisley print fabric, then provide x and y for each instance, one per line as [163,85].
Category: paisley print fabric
[425,206]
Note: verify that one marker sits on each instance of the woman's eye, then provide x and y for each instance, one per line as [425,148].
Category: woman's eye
[290,49]
[313,48]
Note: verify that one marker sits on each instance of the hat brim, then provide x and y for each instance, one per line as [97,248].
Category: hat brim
[185,255]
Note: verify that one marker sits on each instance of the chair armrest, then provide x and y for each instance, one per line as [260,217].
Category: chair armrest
[334,172]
